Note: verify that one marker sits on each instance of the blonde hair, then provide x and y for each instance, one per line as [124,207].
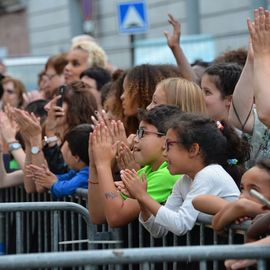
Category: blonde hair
[185,94]
[96,55]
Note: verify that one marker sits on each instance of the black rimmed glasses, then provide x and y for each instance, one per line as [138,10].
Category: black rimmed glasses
[140,133]
[168,143]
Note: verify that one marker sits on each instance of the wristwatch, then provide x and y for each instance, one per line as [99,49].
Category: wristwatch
[35,150]
[14,146]
[50,139]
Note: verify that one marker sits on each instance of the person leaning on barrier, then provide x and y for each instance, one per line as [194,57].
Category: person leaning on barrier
[105,203]
[189,150]
[75,154]
[247,207]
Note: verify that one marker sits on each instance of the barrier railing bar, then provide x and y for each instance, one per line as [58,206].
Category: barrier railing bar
[134,255]
[203,265]
[20,207]
[19,239]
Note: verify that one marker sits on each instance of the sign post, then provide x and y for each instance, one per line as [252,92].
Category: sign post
[132,19]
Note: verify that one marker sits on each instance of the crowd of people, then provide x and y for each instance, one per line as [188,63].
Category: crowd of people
[161,143]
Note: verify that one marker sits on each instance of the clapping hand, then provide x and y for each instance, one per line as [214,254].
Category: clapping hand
[135,185]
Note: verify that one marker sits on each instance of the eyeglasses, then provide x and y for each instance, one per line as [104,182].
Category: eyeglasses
[49,76]
[168,143]
[140,133]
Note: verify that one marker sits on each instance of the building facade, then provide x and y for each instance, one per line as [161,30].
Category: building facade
[40,27]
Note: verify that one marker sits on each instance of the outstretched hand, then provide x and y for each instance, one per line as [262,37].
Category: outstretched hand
[260,32]
[136,186]
[173,39]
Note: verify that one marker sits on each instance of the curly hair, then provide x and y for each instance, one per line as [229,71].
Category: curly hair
[238,56]
[225,77]
[142,81]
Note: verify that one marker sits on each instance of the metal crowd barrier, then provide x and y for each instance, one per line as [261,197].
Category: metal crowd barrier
[54,207]
[72,233]
[136,255]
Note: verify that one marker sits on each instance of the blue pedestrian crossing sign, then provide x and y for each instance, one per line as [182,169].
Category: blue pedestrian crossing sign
[132,17]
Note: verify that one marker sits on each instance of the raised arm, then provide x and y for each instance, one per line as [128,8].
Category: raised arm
[260,36]
[173,41]
[240,113]
[8,132]
[31,131]
[95,201]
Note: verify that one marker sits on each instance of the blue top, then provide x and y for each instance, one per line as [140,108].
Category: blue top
[68,183]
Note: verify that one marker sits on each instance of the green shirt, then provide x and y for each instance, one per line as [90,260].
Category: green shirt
[159,182]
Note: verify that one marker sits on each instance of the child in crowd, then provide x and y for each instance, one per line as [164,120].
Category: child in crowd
[75,154]
[202,150]
[258,178]
[104,200]
[185,94]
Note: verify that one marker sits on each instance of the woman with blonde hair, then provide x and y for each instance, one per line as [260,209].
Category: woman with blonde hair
[83,54]
[185,94]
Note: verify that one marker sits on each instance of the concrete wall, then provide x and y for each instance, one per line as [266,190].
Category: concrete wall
[52,24]
[224,20]
[14,35]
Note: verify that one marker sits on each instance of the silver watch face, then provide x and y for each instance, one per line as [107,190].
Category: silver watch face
[34,149]
[14,146]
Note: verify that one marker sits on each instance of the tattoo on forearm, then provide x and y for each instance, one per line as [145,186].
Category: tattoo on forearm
[110,195]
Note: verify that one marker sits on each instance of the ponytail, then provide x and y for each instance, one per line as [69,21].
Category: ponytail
[238,151]
[219,143]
